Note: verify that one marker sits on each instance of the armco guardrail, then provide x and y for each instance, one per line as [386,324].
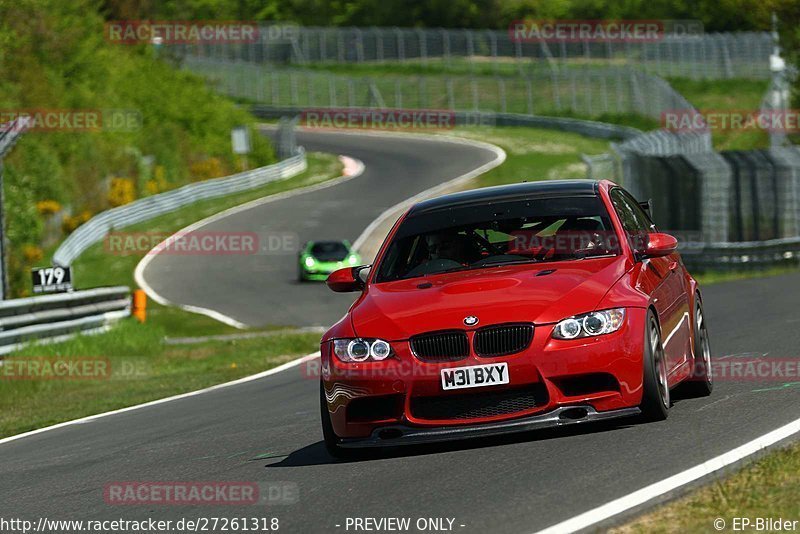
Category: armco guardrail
[53,316]
[742,256]
[146,208]
[601,130]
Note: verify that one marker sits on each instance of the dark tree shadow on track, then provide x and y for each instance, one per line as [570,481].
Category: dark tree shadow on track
[316,454]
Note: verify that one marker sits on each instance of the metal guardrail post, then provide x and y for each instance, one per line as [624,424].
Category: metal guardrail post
[3,262]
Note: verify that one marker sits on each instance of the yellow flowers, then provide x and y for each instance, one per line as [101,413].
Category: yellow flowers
[32,254]
[206,169]
[48,207]
[158,183]
[121,192]
[70,223]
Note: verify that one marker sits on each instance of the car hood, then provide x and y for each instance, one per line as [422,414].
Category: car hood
[515,293]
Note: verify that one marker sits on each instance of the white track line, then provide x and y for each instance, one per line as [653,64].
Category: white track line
[657,489]
[352,169]
[283,367]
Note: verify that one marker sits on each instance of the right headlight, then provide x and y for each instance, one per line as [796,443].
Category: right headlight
[590,324]
[361,349]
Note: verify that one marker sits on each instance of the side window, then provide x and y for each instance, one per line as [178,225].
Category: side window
[638,211]
[636,223]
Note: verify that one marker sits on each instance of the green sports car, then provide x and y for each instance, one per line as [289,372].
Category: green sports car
[318,259]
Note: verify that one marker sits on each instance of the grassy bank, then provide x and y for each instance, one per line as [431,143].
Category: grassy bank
[767,488]
[743,96]
[534,154]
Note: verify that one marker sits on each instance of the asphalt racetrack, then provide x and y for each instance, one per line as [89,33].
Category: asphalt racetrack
[263,289]
[268,430]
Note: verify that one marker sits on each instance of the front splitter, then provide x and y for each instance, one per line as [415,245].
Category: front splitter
[396,435]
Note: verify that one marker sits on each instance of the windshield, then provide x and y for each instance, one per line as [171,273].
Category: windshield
[499,233]
[329,251]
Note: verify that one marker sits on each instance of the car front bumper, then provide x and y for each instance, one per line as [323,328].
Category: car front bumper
[397,435]
[374,401]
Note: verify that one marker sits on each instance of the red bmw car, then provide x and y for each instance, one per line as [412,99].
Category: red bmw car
[512,308]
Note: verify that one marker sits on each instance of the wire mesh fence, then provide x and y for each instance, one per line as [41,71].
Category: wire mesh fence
[586,91]
[702,56]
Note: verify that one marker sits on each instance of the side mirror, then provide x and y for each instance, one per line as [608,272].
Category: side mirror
[660,245]
[346,280]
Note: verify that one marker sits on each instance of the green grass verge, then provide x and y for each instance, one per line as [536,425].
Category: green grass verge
[534,154]
[766,488]
[715,277]
[142,368]
[727,95]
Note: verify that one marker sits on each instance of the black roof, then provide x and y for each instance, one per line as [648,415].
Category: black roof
[521,191]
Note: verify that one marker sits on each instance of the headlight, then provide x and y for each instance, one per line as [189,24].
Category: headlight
[360,350]
[310,261]
[591,324]
[352,260]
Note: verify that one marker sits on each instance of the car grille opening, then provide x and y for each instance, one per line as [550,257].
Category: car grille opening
[479,405]
[579,385]
[502,340]
[437,347]
[378,408]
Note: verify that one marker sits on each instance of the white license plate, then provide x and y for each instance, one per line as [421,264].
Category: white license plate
[475,376]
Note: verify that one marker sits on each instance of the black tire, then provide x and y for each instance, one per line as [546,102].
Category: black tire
[655,398]
[329,436]
[701,383]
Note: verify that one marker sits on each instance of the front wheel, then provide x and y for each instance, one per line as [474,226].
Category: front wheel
[701,383]
[655,398]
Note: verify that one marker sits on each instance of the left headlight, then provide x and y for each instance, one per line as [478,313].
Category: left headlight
[361,349]
[309,261]
[590,324]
